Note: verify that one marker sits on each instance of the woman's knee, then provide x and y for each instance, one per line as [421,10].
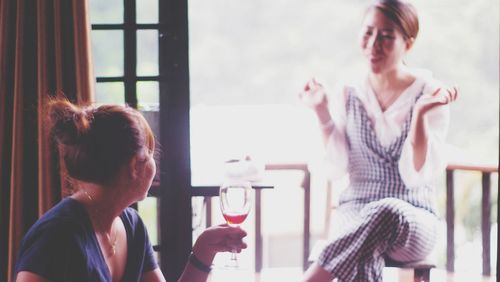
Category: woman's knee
[389,210]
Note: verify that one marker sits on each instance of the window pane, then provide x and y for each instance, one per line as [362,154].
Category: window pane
[147,52]
[110,93]
[106,12]
[148,95]
[152,116]
[147,11]
[148,209]
[107,52]
[148,98]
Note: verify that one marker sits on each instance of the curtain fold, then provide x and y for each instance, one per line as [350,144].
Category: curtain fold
[44,52]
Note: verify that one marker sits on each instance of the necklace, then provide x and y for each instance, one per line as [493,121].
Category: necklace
[112,243]
[88,196]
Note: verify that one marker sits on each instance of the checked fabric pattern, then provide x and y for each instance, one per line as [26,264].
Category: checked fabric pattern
[378,215]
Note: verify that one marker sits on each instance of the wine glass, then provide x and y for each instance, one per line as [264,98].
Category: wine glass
[235,205]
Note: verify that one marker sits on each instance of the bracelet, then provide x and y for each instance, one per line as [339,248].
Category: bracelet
[197,263]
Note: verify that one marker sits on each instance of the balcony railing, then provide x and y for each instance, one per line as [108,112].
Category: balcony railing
[459,162]
[485,169]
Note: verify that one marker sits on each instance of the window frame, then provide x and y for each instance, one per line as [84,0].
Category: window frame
[174,189]
[129,28]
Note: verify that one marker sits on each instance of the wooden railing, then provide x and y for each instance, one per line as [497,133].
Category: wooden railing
[486,169]
[457,164]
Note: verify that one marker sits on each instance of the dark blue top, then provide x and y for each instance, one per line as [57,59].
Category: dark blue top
[62,246]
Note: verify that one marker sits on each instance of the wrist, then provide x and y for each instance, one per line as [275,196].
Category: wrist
[326,124]
[199,264]
[418,133]
[324,116]
[203,254]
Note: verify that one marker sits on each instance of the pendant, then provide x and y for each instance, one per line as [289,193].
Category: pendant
[113,249]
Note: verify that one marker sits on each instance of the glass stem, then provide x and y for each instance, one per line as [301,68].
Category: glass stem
[234,258]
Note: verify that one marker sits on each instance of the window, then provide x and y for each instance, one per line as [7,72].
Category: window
[140,58]
[125,52]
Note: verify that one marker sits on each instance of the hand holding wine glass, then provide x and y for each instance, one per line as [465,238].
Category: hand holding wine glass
[235,205]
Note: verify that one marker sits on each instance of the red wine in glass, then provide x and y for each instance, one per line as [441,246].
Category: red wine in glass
[234,219]
[235,205]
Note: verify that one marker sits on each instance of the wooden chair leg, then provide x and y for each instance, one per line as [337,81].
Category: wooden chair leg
[422,274]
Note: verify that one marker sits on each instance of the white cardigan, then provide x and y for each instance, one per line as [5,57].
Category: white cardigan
[388,126]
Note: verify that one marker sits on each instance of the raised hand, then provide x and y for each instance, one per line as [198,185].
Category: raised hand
[438,98]
[425,104]
[313,94]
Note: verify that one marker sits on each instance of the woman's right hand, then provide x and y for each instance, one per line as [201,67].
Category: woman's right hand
[219,238]
[313,95]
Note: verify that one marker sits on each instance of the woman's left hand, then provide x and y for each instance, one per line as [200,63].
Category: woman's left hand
[438,98]
[424,105]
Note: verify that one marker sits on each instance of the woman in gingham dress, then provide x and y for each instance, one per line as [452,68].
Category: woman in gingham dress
[387,132]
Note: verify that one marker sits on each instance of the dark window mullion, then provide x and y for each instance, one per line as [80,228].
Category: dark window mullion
[148,78]
[130,53]
[109,79]
[121,78]
[122,26]
[107,26]
[147,26]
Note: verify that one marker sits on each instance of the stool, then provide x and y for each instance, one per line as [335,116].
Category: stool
[421,268]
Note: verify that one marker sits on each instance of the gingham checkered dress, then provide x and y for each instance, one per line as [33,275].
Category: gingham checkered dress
[378,215]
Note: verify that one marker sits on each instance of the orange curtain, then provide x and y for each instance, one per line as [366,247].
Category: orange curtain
[44,52]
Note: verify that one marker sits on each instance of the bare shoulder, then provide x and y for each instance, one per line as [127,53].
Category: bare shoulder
[26,276]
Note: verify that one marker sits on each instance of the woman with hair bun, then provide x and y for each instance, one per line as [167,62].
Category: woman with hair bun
[387,133]
[93,235]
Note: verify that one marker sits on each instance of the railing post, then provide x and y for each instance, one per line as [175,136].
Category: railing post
[258,232]
[486,222]
[450,222]
[307,212]
[306,185]
[208,211]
